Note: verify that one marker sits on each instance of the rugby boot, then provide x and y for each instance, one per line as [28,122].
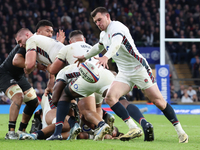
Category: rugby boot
[132,133]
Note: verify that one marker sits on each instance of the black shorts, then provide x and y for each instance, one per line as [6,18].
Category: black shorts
[6,80]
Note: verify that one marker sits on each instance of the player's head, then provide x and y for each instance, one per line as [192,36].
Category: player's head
[22,36]
[44,27]
[76,35]
[101,18]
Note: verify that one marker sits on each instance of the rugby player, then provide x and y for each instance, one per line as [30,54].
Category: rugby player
[133,67]
[15,85]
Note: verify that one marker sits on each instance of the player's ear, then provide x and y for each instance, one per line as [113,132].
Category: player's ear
[108,15]
[70,41]
[85,39]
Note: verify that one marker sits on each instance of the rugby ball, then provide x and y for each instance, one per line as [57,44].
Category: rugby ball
[89,72]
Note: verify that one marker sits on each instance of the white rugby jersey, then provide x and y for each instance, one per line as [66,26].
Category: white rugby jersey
[46,48]
[74,49]
[127,58]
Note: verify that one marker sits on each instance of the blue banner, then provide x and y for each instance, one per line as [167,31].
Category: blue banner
[163,81]
[152,54]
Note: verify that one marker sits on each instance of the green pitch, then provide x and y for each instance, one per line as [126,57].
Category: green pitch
[165,137]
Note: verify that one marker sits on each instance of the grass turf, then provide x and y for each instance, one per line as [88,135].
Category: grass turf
[165,137]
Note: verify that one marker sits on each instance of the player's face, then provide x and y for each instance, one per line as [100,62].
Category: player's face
[21,40]
[46,31]
[102,20]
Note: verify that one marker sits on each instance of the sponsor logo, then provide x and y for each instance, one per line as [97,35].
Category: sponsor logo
[163,72]
[155,55]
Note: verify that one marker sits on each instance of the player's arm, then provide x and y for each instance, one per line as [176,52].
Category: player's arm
[96,49]
[112,50]
[30,61]
[19,60]
[115,45]
[56,66]
[60,61]
[50,84]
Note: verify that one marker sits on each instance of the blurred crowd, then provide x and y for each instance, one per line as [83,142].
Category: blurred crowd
[140,16]
[184,94]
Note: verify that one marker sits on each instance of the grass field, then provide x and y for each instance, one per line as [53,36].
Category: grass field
[165,137]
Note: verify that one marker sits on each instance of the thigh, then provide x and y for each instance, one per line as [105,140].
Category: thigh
[24,84]
[87,103]
[118,89]
[154,94]
[6,81]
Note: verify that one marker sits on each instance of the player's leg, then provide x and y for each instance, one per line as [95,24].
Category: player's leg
[116,90]
[15,93]
[63,108]
[136,114]
[154,94]
[107,117]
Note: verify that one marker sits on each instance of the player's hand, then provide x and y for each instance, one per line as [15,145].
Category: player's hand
[80,59]
[60,36]
[102,61]
[25,71]
[47,91]
[41,67]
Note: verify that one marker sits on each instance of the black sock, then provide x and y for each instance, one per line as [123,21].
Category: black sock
[120,111]
[170,114]
[71,121]
[62,110]
[136,114]
[11,124]
[104,113]
[22,126]
[40,134]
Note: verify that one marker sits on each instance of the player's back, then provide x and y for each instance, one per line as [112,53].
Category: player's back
[75,49]
[46,48]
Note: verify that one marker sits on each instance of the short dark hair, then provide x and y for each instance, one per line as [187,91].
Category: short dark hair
[75,32]
[98,9]
[43,23]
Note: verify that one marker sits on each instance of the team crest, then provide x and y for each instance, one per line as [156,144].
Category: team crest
[146,81]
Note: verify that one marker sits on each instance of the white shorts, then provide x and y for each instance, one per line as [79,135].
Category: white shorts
[68,73]
[85,88]
[142,79]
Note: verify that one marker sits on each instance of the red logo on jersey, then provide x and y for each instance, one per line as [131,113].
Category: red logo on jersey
[92,68]
[145,80]
[109,36]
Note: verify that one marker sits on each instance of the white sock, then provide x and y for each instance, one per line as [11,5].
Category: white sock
[131,124]
[179,129]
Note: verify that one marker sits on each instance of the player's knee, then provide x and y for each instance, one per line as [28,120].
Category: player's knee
[159,103]
[30,95]
[110,100]
[30,106]
[15,93]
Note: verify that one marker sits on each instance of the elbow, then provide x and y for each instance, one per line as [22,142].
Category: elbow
[14,62]
[52,71]
[30,66]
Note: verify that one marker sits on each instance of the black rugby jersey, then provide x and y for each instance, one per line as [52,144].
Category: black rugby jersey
[9,67]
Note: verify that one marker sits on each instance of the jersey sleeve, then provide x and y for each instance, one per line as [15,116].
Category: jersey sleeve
[31,45]
[62,54]
[22,51]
